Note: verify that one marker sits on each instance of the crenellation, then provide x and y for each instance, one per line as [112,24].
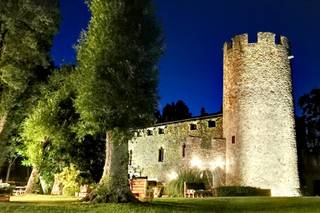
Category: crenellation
[227,46]
[266,38]
[240,41]
[284,42]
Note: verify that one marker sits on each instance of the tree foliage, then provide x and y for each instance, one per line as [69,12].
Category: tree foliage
[203,112]
[310,105]
[117,76]
[48,133]
[175,111]
[48,128]
[26,32]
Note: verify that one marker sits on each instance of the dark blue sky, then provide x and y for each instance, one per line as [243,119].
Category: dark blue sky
[195,31]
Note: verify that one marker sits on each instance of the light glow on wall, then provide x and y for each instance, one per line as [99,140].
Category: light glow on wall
[196,162]
[172,175]
[284,192]
[217,163]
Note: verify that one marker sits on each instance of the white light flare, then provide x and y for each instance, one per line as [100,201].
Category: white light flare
[172,175]
[217,163]
[196,162]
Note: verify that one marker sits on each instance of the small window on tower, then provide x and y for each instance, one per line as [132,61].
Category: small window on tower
[183,150]
[161,131]
[149,132]
[211,124]
[193,126]
[161,155]
[233,139]
[130,157]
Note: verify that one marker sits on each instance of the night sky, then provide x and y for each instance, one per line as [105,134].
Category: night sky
[195,31]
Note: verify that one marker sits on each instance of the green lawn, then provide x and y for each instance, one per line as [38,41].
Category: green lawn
[47,204]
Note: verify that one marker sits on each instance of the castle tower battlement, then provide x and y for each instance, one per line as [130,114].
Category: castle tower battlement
[258,115]
[263,38]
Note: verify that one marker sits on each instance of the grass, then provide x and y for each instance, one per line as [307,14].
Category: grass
[48,204]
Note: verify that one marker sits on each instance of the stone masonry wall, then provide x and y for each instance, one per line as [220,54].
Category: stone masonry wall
[258,115]
[205,144]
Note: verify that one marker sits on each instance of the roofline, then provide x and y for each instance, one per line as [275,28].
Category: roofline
[213,115]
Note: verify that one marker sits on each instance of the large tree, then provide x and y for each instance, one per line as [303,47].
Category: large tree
[49,138]
[26,31]
[117,83]
[46,132]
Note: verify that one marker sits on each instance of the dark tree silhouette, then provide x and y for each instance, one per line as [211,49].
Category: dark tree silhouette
[203,112]
[310,105]
[175,111]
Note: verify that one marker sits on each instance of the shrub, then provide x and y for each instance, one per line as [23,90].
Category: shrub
[175,187]
[69,178]
[5,189]
[226,191]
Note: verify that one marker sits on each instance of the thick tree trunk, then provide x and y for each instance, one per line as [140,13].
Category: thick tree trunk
[114,185]
[32,182]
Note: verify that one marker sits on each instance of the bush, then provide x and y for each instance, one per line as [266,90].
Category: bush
[226,191]
[69,178]
[175,187]
[5,189]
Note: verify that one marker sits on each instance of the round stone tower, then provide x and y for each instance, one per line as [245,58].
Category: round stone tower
[258,115]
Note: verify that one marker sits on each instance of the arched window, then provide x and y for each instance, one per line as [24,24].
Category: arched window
[130,157]
[183,150]
[161,155]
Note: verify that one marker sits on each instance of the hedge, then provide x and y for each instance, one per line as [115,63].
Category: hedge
[226,191]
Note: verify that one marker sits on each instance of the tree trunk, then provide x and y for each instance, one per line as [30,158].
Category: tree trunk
[114,185]
[3,120]
[32,182]
[11,162]
[44,185]
[8,172]
[57,187]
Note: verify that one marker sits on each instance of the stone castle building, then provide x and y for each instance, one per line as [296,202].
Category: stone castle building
[252,143]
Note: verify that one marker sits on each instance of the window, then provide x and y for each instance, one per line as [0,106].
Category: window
[130,157]
[139,134]
[183,150]
[161,131]
[161,155]
[211,124]
[193,126]
[233,139]
[149,132]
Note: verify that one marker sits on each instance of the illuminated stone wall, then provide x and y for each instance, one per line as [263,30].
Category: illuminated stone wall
[258,116]
[205,144]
